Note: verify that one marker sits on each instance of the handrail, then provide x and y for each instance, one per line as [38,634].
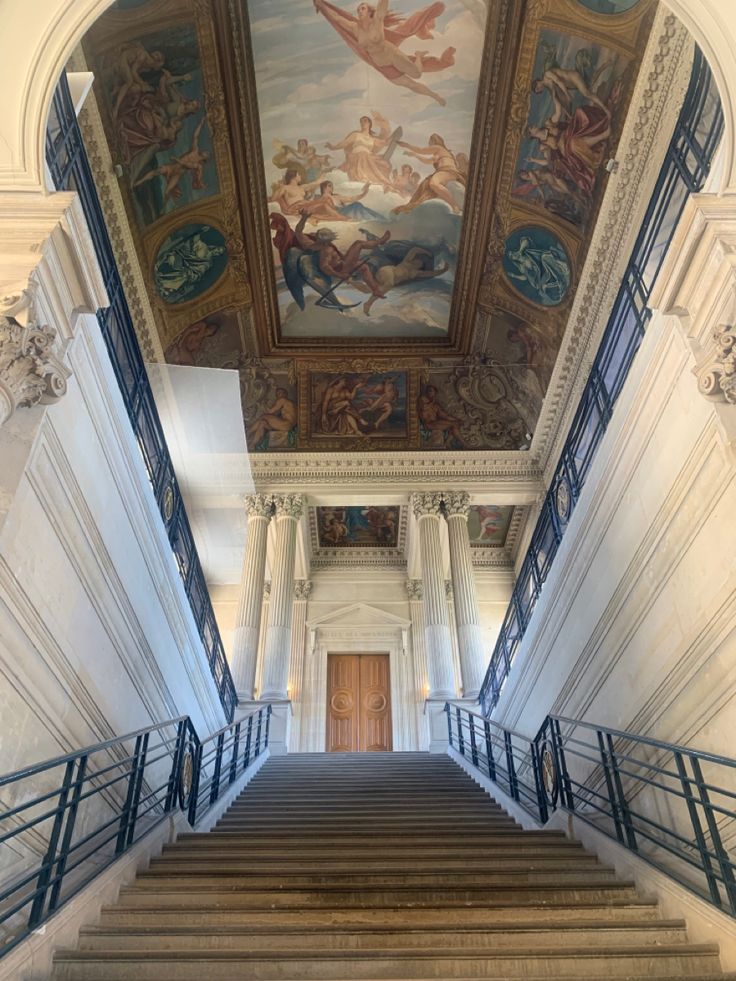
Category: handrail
[684,171]
[670,804]
[69,167]
[106,798]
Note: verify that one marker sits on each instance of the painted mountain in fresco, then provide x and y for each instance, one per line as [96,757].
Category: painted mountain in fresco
[366,119]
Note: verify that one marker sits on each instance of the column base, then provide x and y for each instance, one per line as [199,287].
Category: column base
[279,733]
[434,713]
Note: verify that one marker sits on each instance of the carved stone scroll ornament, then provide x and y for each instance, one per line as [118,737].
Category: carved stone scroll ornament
[456,502]
[291,505]
[426,503]
[717,377]
[302,589]
[414,589]
[30,371]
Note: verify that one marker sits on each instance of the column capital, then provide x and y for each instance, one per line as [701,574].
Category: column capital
[414,589]
[30,370]
[259,505]
[456,503]
[289,505]
[302,589]
[426,502]
[448,588]
[717,375]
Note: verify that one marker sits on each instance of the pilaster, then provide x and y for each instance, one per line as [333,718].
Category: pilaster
[259,508]
[302,591]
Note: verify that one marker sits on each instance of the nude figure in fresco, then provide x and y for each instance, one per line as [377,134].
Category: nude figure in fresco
[338,413]
[375,35]
[446,171]
[335,264]
[173,170]
[304,159]
[278,418]
[291,193]
[412,267]
[134,59]
[328,206]
[433,417]
[386,394]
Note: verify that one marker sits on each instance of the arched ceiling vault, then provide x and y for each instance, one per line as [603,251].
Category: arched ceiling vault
[455,153]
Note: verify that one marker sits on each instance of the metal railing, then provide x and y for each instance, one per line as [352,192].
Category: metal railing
[684,171]
[674,806]
[70,170]
[85,809]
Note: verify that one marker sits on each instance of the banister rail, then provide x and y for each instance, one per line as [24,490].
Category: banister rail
[65,820]
[674,806]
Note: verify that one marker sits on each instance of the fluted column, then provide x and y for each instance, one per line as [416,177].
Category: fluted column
[415,591]
[470,642]
[302,590]
[262,638]
[437,627]
[281,605]
[259,508]
[457,674]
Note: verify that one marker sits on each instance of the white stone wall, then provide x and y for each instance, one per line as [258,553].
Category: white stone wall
[96,634]
[636,625]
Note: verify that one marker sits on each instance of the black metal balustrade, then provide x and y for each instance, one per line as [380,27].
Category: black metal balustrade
[675,807]
[684,171]
[68,819]
[70,171]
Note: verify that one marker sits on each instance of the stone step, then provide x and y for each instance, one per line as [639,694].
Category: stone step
[682,960]
[235,864]
[427,917]
[497,837]
[455,879]
[319,851]
[218,896]
[505,937]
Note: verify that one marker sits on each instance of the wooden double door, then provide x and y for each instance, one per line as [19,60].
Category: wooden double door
[358,703]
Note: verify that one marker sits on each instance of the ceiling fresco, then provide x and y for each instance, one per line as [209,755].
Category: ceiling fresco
[377,215]
[358,527]
[488,524]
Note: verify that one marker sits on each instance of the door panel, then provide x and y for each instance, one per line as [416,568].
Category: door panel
[358,703]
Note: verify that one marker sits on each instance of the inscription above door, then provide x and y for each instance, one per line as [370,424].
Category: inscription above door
[358,703]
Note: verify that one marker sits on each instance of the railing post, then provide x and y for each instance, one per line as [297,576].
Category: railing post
[194,793]
[622,804]
[567,799]
[724,861]
[609,787]
[539,786]
[473,744]
[71,816]
[248,737]
[258,734]
[130,799]
[511,766]
[215,786]
[236,747]
[37,909]
[489,751]
[460,737]
[181,735]
[269,710]
[449,723]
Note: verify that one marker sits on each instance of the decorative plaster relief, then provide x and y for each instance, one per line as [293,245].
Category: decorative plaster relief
[30,370]
[717,377]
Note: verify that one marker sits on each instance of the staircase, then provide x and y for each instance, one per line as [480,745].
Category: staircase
[377,866]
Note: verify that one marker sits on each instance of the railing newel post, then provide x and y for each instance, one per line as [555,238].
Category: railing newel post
[449,724]
[539,786]
[511,765]
[194,792]
[37,908]
[120,843]
[258,734]
[489,751]
[248,737]
[236,748]
[215,785]
[622,802]
[460,737]
[133,815]
[724,862]
[473,744]
[269,710]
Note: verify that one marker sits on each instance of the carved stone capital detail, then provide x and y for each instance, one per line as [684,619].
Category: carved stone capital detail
[414,589]
[302,589]
[426,503]
[30,370]
[291,505]
[456,502]
[717,377]
[259,505]
[267,588]
[448,588]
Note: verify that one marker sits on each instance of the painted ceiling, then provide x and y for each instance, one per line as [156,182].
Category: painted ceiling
[377,215]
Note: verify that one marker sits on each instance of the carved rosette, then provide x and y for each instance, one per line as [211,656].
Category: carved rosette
[259,505]
[302,589]
[456,503]
[30,371]
[289,505]
[414,589]
[426,503]
[717,378]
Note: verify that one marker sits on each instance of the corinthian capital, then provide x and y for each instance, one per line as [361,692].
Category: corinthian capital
[456,502]
[302,589]
[414,589]
[291,505]
[30,371]
[426,503]
[717,377]
[259,505]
